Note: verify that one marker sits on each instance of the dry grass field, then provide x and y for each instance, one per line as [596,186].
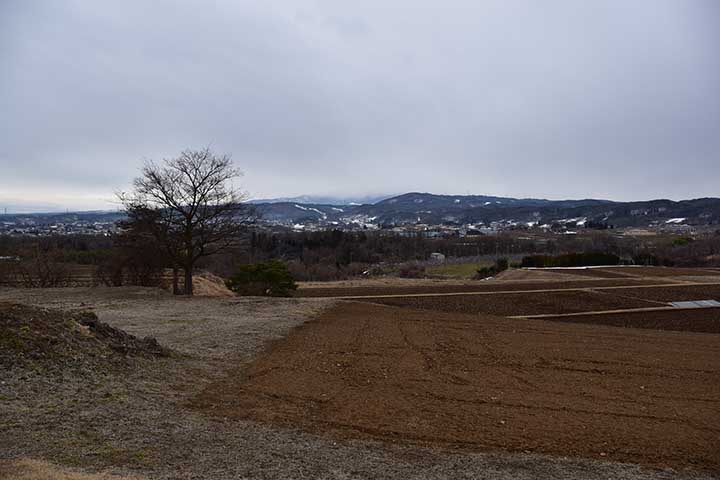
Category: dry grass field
[441,384]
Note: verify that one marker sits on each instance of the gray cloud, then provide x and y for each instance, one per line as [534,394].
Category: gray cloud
[553,99]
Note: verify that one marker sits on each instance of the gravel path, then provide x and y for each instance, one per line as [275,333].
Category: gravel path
[138,422]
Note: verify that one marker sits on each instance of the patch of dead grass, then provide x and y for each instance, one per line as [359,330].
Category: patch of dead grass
[29,469]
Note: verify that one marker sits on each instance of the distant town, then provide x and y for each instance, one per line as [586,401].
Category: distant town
[424,215]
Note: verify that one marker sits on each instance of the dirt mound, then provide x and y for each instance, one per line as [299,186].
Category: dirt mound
[54,339]
[206,284]
[209,285]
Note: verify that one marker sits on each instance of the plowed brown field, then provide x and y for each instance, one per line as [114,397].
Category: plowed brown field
[706,320]
[660,271]
[485,383]
[510,304]
[671,294]
[493,286]
[592,272]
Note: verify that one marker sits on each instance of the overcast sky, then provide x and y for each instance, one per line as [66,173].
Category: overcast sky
[553,98]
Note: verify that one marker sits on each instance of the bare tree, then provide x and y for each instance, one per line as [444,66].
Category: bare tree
[190,206]
[42,269]
[138,257]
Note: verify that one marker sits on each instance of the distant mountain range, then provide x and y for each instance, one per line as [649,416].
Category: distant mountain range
[426,208]
[433,209]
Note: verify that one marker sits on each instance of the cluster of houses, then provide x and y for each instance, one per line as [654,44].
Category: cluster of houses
[32,228]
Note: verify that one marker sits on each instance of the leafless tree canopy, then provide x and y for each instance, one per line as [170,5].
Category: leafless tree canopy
[190,205]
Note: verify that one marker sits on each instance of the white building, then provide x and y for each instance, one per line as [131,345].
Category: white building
[437,257]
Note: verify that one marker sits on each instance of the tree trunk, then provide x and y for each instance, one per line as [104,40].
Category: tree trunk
[176,280]
[188,280]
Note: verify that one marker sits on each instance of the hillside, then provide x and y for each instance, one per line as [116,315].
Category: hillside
[425,208]
[477,209]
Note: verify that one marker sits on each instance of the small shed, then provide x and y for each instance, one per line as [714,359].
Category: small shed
[437,257]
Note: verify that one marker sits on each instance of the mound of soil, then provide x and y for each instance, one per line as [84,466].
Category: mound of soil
[209,285]
[56,340]
[205,284]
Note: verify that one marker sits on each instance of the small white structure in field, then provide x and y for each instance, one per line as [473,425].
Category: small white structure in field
[437,257]
[696,304]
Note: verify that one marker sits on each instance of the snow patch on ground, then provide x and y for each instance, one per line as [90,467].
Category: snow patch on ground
[322,214]
[310,209]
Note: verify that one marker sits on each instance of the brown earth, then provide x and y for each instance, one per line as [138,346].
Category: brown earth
[479,286]
[522,274]
[672,294]
[706,320]
[509,304]
[384,281]
[461,382]
[708,278]
[136,421]
[593,272]
[660,271]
